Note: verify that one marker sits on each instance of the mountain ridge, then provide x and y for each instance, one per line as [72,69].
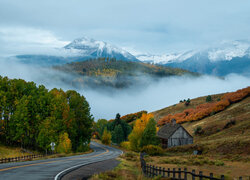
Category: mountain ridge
[221,60]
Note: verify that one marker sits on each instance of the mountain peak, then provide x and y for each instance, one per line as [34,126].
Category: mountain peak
[92,48]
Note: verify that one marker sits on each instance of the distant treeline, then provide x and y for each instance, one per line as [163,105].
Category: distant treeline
[116,73]
[33,117]
[113,67]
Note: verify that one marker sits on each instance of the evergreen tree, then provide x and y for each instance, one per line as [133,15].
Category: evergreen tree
[149,135]
[208,98]
[118,135]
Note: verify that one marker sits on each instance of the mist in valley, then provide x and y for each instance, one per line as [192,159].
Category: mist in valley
[151,95]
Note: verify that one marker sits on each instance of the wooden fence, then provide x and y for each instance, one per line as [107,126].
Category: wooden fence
[21,158]
[152,171]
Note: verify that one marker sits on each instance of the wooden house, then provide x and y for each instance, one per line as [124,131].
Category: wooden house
[173,134]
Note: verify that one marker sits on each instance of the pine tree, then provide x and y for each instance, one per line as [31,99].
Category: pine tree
[149,135]
[118,134]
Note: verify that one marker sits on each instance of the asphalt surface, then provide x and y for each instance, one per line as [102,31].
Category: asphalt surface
[85,172]
[56,168]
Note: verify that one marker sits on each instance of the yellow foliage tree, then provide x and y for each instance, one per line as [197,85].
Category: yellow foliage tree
[64,145]
[138,129]
[106,137]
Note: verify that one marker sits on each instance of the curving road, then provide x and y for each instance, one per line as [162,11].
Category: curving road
[55,168]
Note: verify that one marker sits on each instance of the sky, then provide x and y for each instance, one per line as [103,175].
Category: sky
[152,26]
[140,26]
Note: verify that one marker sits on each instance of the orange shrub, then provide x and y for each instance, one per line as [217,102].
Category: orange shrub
[206,109]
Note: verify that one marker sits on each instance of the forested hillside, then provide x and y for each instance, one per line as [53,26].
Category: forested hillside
[116,73]
[31,116]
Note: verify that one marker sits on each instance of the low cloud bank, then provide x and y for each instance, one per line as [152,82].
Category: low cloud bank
[105,103]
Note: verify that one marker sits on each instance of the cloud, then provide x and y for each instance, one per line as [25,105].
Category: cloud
[157,26]
[23,40]
[106,102]
[160,94]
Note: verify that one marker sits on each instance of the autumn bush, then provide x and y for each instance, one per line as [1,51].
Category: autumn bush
[125,145]
[152,150]
[106,137]
[207,109]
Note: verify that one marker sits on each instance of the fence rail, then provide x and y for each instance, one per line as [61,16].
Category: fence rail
[152,171]
[21,158]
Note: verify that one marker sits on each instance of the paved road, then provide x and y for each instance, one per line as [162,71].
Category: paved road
[56,167]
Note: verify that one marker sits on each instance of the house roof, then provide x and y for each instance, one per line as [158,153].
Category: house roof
[167,130]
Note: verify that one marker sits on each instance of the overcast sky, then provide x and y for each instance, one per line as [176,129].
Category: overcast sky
[154,26]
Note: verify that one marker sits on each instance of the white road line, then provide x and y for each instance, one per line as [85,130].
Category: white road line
[75,167]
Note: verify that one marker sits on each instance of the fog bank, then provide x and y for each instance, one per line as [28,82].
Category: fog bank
[154,96]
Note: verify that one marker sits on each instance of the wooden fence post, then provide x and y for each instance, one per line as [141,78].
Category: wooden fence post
[185,173]
[193,174]
[174,173]
[168,172]
[211,175]
[200,175]
[153,170]
[150,171]
[163,172]
[179,173]
[222,177]
[160,171]
[240,178]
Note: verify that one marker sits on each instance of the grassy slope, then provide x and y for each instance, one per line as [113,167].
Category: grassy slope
[181,106]
[7,152]
[232,140]
[230,146]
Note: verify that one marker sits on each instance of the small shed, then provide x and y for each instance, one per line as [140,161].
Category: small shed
[173,134]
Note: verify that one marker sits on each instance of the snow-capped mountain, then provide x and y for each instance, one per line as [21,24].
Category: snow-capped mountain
[87,47]
[225,58]
[78,50]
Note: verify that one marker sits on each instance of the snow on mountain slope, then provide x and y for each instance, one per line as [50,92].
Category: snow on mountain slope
[224,51]
[223,59]
[93,48]
[165,58]
[229,50]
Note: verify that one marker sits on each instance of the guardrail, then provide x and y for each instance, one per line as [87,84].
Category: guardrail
[152,171]
[22,158]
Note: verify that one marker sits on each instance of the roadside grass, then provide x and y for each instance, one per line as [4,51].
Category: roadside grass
[11,152]
[128,169]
